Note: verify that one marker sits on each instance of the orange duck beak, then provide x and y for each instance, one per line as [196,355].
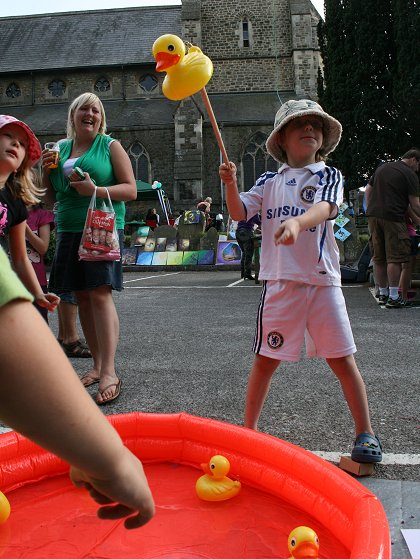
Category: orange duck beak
[305,550]
[165,60]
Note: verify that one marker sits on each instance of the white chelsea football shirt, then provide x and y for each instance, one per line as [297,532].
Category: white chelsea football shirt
[314,258]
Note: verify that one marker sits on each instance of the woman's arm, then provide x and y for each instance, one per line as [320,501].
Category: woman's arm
[40,390]
[24,268]
[39,242]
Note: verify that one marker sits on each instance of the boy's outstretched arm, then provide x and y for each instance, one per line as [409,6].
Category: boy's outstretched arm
[289,230]
[42,398]
[233,201]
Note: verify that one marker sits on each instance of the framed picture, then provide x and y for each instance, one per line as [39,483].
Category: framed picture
[190,257]
[129,256]
[144,258]
[205,257]
[174,258]
[183,244]
[171,245]
[159,258]
[228,252]
[160,244]
[150,244]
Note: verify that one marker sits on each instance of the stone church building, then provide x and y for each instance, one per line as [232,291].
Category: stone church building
[264,52]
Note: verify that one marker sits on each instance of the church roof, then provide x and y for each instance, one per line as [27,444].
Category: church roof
[229,109]
[84,39]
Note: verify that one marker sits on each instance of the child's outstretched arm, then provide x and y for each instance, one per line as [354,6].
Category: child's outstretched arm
[42,398]
[289,230]
[233,201]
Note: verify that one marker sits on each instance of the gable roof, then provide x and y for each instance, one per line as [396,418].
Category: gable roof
[84,39]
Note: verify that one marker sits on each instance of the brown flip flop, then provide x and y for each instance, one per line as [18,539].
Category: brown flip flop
[90,382]
[112,398]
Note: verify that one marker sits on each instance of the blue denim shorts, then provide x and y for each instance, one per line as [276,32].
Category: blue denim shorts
[68,273]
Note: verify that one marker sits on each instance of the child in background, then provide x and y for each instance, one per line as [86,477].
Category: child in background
[42,398]
[301,296]
[19,151]
[39,224]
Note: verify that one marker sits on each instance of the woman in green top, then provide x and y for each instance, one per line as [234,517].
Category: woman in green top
[106,164]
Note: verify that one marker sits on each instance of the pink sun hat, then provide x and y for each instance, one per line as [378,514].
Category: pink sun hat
[33,150]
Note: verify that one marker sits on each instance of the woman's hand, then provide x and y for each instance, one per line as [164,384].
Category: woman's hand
[47,159]
[127,494]
[83,187]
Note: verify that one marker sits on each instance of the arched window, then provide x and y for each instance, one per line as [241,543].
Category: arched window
[13,91]
[57,88]
[148,82]
[102,85]
[245,33]
[139,161]
[256,160]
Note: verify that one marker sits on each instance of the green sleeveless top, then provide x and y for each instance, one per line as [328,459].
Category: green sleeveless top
[72,208]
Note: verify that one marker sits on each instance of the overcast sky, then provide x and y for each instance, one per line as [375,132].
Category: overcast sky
[25,7]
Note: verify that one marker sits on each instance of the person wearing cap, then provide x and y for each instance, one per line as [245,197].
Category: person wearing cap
[19,151]
[301,296]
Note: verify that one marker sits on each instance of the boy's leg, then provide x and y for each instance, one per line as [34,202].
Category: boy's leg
[354,390]
[259,382]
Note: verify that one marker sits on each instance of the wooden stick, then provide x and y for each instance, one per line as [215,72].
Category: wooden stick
[213,121]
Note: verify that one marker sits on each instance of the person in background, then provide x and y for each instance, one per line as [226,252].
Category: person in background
[408,267]
[19,151]
[39,224]
[42,398]
[245,238]
[391,189]
[301,297]
[152,218]
[107,169]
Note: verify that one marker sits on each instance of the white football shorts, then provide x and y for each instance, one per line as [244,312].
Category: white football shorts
[290,312]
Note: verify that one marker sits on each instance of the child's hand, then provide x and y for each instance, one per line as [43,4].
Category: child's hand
[47,301]
[287,233]
[228,173]
[128,493]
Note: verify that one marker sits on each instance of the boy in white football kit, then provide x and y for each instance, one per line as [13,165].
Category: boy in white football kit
[301,295]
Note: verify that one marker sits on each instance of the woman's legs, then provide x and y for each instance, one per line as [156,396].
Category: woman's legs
[259,382]
[100,324]
[354,390]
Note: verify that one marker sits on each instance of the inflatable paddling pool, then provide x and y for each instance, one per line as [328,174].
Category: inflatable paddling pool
[283,486]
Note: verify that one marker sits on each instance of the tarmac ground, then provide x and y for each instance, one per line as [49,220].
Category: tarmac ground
[185,345]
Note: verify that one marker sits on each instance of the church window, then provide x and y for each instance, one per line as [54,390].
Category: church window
[139,161]
[57,88]
[148,82]
[256,161]
[13,91]
[245,33]
[102,85]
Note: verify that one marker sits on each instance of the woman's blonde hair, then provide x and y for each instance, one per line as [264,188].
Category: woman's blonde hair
[84,99]
[25,184]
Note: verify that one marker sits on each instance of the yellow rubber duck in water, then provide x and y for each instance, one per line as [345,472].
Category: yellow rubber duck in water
[186,73]
[303,543]
[215,486]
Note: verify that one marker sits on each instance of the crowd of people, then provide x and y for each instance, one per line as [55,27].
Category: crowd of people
[301,296]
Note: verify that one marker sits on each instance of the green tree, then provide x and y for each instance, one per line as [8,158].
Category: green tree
[369,81]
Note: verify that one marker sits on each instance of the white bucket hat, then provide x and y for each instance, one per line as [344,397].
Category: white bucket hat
[303,107]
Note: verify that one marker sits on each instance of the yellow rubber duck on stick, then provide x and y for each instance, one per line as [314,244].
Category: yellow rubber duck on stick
[187,72]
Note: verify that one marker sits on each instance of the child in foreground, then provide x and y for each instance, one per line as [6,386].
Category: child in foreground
[19,151]
[42,397]
[301,295]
